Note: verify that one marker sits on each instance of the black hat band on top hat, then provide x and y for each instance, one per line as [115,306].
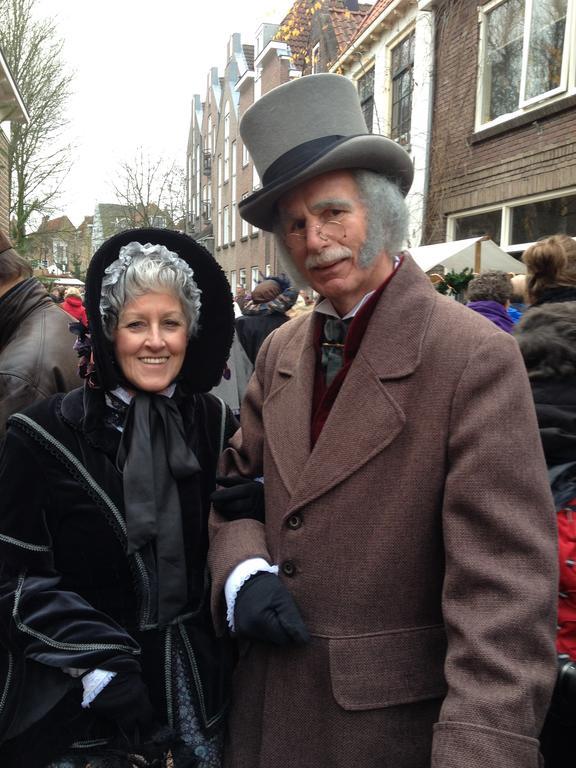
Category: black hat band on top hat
[291,162]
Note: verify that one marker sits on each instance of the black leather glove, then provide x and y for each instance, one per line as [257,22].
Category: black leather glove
[265,610]
[125,701]
[239,498]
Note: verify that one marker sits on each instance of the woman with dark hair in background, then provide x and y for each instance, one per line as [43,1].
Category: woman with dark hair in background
[547,339]
[109,657]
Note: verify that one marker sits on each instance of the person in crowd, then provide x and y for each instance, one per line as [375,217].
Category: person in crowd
[241,296]
[551,270]
[547,339]
[489,295]
[57,295]
[108,648]
[36,354]
[73,304]
[518,298]
[266,310]
[393,577]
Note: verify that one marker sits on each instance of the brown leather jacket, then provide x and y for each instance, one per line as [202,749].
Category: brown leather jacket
[36,355]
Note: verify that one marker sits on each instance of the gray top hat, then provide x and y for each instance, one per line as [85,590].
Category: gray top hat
[307,127]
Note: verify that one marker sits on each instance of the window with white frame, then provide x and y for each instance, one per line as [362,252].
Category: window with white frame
[255,278]
[268,270]
[233,282]
[245,155]
[225,225]
[316,59]
[402,64]
[255,178]
[244,232]
[209,134]
[524,55]
[520,222]
[233,192]
[366,96]
[226,141]
[242,278]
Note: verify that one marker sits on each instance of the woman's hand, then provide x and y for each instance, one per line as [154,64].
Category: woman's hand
[239,498]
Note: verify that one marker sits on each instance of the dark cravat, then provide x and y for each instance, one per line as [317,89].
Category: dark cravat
[334,337]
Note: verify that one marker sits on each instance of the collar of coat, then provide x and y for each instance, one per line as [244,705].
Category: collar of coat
[404,310]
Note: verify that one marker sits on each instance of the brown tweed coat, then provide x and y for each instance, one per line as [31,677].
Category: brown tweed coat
[417,538]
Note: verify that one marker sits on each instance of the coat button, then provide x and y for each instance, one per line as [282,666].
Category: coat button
[294,522]
[288,568]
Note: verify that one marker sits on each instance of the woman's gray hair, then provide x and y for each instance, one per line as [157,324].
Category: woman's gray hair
[141,269]
[387,222]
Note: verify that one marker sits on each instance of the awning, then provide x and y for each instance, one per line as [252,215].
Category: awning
[67,281]
[12,107]
[476,253]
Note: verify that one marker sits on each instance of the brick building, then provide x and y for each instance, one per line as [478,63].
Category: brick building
[220,172]
[503,150]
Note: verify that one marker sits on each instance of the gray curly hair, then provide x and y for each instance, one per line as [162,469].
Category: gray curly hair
[141,269]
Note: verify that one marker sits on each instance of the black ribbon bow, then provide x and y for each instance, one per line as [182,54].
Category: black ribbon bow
[153,455]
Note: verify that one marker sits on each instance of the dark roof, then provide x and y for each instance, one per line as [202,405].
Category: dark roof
[249,56]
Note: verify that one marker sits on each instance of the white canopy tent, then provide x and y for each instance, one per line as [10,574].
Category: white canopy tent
[67,281]
[476,253]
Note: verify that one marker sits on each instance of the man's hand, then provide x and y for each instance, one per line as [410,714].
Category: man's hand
[265,610]
[239,498]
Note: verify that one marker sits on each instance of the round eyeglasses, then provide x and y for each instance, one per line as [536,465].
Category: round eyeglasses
[329,230]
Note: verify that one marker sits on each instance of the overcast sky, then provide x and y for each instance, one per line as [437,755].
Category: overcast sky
[138,64]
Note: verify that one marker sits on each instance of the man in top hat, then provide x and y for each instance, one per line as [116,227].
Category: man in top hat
[36,348]
[395,595]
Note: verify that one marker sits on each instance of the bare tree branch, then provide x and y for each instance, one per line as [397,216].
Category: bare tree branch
[38,160]
[151,188]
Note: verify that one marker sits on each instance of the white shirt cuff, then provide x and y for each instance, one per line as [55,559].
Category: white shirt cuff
[237,579]
[93,683]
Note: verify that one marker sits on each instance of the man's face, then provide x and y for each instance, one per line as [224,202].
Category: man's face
[324,228]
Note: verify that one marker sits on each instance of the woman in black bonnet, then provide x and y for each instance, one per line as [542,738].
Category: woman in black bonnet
[107,652]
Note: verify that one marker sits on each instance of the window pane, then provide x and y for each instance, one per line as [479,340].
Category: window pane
[402,83]
[544,218]
[503,63]
[480,224]
[546,46]
[366,96]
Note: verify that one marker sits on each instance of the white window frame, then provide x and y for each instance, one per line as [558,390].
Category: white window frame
[506,209]
[226,141]
[567,84]
[254,277]
[245,227]
[225,225]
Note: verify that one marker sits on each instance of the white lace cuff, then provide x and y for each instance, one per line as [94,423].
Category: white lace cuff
[93,683]
[237,579]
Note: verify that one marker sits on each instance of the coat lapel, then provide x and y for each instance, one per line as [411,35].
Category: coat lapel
[365,418]
[287,409]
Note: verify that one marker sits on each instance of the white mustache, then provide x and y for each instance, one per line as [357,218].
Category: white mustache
[328,256]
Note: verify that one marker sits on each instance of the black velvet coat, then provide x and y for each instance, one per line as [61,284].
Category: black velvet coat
[70,596]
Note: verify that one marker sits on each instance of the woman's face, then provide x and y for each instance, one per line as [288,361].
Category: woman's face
[150,341]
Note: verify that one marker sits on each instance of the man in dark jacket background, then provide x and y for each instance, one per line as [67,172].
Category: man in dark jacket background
[36,348]
[264,312]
